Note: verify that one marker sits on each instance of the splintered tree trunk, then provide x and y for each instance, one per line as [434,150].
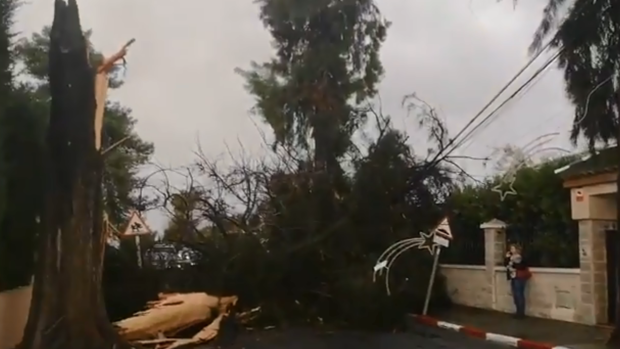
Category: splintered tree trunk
[67,309]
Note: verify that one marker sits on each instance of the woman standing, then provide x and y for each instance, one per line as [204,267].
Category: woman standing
[517,272]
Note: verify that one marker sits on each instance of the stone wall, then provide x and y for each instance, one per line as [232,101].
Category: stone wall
[575,295]
[551,293]
[14,306]
[593,272]
[467,285]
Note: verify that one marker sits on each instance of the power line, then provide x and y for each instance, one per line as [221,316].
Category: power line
[516,99]
[494,114]
[495,97]
[442,154]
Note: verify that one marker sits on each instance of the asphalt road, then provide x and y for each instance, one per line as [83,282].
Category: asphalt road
[419,338]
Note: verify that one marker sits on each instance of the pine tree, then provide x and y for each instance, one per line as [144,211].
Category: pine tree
[21,175]
[327,62]
[326,65]
[7,8]
[7,11]
[588,40]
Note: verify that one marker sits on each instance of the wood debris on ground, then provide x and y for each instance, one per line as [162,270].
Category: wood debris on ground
[172,313]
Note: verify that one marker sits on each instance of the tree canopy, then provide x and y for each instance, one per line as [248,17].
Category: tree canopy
[588,42]
[327,63]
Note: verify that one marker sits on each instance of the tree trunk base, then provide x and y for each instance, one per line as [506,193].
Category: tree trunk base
[94,332]
[65,338]
[65,314]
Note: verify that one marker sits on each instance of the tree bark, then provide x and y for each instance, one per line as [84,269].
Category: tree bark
[67,308]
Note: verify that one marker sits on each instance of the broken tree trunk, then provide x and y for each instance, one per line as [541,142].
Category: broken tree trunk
[173,313]
[67,309]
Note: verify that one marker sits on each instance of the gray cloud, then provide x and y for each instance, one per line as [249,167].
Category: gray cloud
[182,87]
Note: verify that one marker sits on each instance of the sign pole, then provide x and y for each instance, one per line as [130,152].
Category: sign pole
[431,282]
[137,227]
[441,238]
[433,242]
[139,250]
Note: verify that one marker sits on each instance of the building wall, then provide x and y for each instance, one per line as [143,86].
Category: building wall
[551,293]
[595,202]
[14,306]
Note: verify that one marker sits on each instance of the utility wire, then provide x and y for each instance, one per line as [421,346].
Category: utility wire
[494,114]
[442,153]
[515,100]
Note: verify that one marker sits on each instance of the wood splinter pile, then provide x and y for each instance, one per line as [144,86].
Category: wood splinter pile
[172,313]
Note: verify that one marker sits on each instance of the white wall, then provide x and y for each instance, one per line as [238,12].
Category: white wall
[551,292]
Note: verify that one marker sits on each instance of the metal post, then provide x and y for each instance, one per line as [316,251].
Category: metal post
[432,280]
[139,251]
[615,333]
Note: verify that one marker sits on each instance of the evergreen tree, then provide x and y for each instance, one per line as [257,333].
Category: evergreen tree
[123,162]
[588,40]
[326,65]
[7,9]
[21,176]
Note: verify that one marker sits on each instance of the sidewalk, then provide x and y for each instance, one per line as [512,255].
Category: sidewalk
[535,332]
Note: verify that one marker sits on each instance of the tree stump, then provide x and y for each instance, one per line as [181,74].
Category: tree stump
[67,309]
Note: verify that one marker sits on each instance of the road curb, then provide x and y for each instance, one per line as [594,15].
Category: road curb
[491,337]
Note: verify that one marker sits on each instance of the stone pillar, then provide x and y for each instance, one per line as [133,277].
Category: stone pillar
[494,251]
[592,307]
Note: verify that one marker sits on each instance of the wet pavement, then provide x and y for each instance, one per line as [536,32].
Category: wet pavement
[535,329]
[420,337]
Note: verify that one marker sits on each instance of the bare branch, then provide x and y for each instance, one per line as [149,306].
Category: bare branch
[113,146]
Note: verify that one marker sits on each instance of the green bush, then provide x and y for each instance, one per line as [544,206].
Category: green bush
[538,217]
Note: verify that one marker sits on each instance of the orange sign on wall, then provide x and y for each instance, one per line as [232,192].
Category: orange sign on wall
[578,195]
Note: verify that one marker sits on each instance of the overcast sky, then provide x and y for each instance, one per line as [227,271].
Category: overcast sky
[181,84]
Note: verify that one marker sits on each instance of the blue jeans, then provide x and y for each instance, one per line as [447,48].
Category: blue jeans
[518,294]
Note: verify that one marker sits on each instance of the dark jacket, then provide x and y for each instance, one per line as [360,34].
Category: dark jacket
[513,266]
